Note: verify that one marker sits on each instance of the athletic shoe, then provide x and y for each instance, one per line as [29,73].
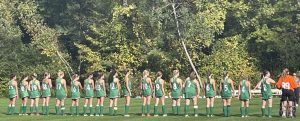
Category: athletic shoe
[143,114]
[207,115]
[148,115]
[91,115]
[283,115]
[101,115]
[211,115]
[37,114]
[196,115]
[270,116]
[20,114]
[243,116]
[155,115]
[186,116]
[296,105]
[165,115]
[246,116]
[97,115]
[126,115]
[85,115]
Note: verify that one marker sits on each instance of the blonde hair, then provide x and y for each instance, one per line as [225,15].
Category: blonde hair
[60,73]
[145,73]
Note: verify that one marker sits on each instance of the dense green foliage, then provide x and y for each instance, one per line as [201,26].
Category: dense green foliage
[82,36]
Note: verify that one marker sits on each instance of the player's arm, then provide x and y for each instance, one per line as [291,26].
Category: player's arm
[16,87]
[93,85]
[163,86]
[29,86]
[50,83]
[150,82]
[180,84]
[198,88]
[258,85]
[104,87]
[278,84]
[80,86]
[271,81]
[249,90]
[127,84]
[65,86]
[38,85]
[239,90]
[214,85]
[171,85]
[220,87]
[118,84]
[232,87]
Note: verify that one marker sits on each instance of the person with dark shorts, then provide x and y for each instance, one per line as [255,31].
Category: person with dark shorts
[287,84]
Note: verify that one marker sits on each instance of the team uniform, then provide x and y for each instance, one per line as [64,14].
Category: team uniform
[113,93]
[226,94]
[89,93]
[209,93]
[34,94]
[190,91]
[75,95]
[12,93]
[266,95]
[100,92]
[45,93]
[23,94]
[158,94]
[126,93]
[60,95]
[146,91]
[244,96]
[175,94]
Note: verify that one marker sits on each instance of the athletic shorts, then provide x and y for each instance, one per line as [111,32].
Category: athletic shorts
[287,95]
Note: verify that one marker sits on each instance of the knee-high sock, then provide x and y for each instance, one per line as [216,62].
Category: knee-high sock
[228,110]
[186,109]
[269,111]
[212,109]
[148,108]
[164,109]
[126,109]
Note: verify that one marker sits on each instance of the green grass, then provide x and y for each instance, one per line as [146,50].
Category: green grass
[135,112]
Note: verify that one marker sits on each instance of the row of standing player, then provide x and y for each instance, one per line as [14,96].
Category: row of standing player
[190,88]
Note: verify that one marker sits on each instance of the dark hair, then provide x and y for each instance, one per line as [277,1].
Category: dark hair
[127,71]
[23,76]
[34,75]
[111,76]
[74,76]
[225,73]
[12,76]
[193,75]
[46,74]
[208,74]
[159,73]
[98,75]
[264,73]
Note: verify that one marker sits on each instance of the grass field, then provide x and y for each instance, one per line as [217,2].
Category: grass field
[255,113]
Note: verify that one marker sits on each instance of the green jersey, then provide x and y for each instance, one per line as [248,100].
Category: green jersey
[100,92]
[34,90]
[244,94]
[113,90]
[146,89]
[75,91]
[60,90]
[24,90]
[158,88]
[11,90]
[190,88]
[176,90]
[209,90]
[125,91]
[226,89]
[88,88]
[266,90]
[45,89]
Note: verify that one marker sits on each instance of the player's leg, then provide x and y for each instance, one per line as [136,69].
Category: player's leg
[186,107]
[178,106]
[86,101]
[247,108]
[111,101]
[101,105]
[195,101]
[212,101]
[156,106]
[13,105]
[174,106]
[37,106]
[164,109]
[115,106]
[143,105]
[148,99]
[228,107]
[127,103]
[62,104]
[242,108]
[208,106]
[225,107]
[91,106]
[47,105]
[77,106]
[31,105]
[270,101]
[57,111]
[43,106]
[97,109]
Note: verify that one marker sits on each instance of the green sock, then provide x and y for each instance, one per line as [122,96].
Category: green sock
[164,109]
[186,109]
[178,109]
[101,110]
[43,110]
[155,110]
[173,109]
[21,109]
[246,110]
[8,109]
[263,111]
[269,111]
[115,111]
[242,110]
[77,110]
[47,110]
[72,110]
[225,111]
[13,110]
[91,110]
[148,109]
[63,109]
[31,109]
[212,109]
[228,110]
[97,110]
[24,109]
[84,109]
[143,108]
[196,110]
[126,109]
[110,111]
[207,111]
[37,109]
[56,110]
